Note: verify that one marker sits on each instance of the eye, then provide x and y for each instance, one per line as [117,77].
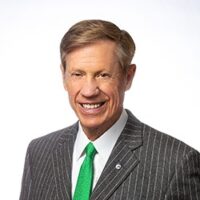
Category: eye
[76,74]
[104,75]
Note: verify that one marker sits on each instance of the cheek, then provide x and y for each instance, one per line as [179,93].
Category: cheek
[115,94]
[72,90]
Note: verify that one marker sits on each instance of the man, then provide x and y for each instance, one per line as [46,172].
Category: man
[130,160]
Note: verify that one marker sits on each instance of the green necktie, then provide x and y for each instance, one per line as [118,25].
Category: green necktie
[85,179]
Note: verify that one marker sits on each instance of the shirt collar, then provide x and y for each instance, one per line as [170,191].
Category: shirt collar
[105,143]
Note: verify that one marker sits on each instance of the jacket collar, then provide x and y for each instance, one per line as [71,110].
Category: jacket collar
[62,162]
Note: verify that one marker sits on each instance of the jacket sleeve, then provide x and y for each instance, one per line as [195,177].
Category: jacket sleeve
[26,185]
[185,183]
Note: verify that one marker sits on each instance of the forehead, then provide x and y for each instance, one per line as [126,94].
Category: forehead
[98,53]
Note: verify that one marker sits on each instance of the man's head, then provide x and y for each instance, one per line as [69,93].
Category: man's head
[96,65]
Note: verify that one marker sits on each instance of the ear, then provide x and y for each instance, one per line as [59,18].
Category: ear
[63,76]
[129,75]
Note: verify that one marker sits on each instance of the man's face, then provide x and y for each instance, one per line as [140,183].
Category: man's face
[96,85]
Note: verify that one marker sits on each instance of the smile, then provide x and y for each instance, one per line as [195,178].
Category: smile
[91,105]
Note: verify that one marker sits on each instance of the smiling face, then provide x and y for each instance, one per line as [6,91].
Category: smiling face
[96,85]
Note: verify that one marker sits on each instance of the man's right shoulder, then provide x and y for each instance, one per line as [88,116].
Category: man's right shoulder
[53,139]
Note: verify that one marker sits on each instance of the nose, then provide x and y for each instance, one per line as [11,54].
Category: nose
[90,88]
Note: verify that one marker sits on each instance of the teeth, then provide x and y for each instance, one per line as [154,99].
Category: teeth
[91,106]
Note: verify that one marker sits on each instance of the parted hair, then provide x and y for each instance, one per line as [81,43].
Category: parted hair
[90,31]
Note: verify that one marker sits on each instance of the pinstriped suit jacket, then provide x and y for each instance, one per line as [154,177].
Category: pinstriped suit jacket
[154,166]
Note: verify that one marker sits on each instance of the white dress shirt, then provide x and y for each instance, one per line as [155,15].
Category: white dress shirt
[104,145]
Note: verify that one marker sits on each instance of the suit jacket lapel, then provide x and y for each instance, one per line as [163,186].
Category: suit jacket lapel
[62,163]
[122,160]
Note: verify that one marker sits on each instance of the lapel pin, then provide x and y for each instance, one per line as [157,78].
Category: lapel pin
[118,166]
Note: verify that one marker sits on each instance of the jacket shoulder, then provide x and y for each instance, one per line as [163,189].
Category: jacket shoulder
[153,139]
[49,142]
[166,145]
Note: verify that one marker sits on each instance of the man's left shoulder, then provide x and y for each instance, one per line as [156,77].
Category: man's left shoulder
[157,141]
[167,145]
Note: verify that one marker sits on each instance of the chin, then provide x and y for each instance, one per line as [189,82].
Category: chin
[91,124]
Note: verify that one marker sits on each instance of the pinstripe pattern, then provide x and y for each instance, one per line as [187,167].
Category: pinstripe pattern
[154,166]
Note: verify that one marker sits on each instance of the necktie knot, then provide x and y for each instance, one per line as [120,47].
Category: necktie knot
[90,150]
